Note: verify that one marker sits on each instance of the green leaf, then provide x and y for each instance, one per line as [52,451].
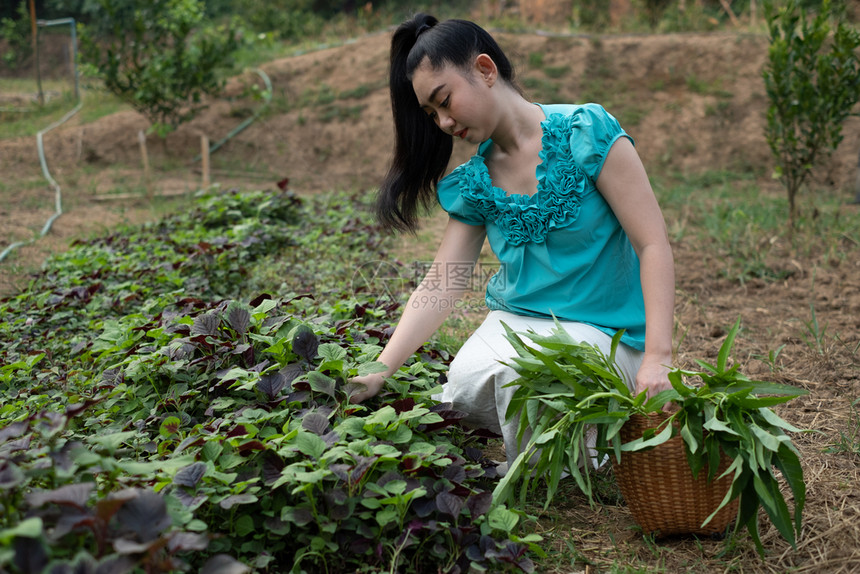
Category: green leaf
[212,450]
[767,440]
[545,437]
[331,352]
[244,525]
[384,416]
[656,403]
[748,515]
[386,516]
[788,464]
[774,419]
[716,425]
[774,504]
[112,441]
[500,518]
[310,444]
[322,383]
[690,437]
[726,347]
[370,368]
[27,528]
[642,443]
[677,381]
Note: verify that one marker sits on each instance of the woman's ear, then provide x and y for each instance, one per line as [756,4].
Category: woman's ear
[486,69]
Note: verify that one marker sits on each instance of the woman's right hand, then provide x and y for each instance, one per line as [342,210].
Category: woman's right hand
[362,388]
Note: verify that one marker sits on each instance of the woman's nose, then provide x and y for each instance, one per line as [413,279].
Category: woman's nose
[444,120]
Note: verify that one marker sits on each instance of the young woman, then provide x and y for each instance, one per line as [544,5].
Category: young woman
[560,193]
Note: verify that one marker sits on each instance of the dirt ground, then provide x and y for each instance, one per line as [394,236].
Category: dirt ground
[698,104]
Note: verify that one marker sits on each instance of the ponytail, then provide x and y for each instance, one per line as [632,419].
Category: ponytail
[421,150]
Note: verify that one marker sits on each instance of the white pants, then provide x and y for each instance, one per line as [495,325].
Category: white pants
[476,378]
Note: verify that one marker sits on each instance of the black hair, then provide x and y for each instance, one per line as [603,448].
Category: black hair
[421,149]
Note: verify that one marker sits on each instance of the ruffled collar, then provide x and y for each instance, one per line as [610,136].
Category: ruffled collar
[528,218]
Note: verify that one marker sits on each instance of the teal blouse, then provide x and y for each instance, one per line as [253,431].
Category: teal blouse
[562,251]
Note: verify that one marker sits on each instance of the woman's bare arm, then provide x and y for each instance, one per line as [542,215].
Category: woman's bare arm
[624,184]
[428,306]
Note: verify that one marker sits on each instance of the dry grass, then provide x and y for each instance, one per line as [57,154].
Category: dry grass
[775,315]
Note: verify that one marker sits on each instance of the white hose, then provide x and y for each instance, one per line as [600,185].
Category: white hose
[58,195]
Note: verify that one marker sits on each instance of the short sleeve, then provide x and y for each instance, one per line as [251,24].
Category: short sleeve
[594,130]
[449,192]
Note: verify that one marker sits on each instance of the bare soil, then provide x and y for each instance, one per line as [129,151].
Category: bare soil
[693,103]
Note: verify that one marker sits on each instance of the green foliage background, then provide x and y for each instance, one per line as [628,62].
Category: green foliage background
[157,416]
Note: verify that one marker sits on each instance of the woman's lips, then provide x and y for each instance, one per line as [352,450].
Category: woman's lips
[462,133]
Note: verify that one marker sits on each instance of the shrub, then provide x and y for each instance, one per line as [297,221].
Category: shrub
[812,80]
[158,56]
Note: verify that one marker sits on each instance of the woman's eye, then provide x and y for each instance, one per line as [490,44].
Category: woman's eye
[445,102]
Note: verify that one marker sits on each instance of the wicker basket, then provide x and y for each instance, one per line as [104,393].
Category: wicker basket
[660,491]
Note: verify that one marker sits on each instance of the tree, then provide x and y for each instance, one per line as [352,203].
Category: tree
[812,80]
[158,56]
[16,32]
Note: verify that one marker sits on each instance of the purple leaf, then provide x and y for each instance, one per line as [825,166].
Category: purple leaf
[126,546]
[305,343]
[113,377]
[403,405]
[249,446]
[16,445]
[75,495]
[236,499]
[224,564]
[30,555]
[449,504]
[272,384]
[146,516]
[14,430]
[300,516]
[239,319]
[190,502]
[190,475]
[330,438]
[188,442]
[474,553]
[341,471]
[77,408]
[410,463]
[63,457]
[51,422]
[450,416]
[206,324]
[180,541]
[424,507]
[362,465]
[292,371]
[70,521]
[10,476]
[315,422]
[479,504]
[274,526]
[107,507]
[115,565]
[271,467]
[238,430]
[455,473]
[256,301]
[338,504]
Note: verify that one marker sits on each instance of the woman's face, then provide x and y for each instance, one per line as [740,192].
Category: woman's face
[457,99]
